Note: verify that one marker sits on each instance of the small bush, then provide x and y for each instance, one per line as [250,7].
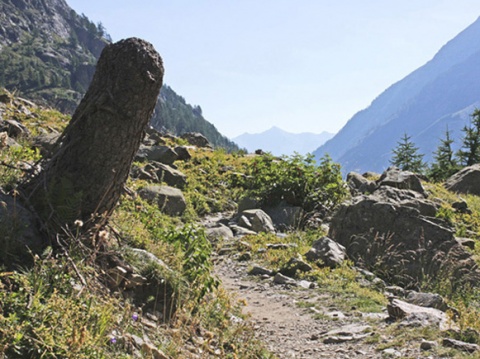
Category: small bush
[296,180]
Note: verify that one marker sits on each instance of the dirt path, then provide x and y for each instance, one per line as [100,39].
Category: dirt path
[291,331]
[283,319]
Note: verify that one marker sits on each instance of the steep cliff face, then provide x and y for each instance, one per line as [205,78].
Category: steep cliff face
[47,51]
[441,93]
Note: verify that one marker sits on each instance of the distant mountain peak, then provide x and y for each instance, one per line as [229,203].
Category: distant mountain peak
[281,142]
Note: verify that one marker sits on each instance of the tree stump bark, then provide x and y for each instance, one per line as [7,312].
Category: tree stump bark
[84,178]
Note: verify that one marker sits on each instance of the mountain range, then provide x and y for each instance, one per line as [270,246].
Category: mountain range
[439,95]
[280,142]
[48,54]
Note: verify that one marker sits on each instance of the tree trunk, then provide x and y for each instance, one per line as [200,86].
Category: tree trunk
[86,174]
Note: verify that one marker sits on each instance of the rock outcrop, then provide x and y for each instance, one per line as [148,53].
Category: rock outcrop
[465,181]
[170,200]
[394,233]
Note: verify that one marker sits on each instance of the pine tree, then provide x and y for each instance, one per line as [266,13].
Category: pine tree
[444,164]
[469,154]
[406,156]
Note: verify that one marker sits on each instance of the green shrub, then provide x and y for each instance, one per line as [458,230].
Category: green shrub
[296,180]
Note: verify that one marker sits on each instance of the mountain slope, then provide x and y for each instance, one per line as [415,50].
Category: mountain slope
[442,92]
[280,142]
[48,54]
[47,51]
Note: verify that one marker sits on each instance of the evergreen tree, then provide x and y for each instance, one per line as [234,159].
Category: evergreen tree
[444,164]
[406,156]
[469,154]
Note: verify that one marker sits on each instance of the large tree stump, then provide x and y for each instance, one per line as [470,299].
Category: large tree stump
[86,174]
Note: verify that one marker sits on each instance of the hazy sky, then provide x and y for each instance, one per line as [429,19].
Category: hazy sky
[301,65]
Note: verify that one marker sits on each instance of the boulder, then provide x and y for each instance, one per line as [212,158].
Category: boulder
[13,128]
[465,181]
[6,141]
[170,200]
[294,265]
[45,142]
[196,139]
[286,217]
[219,233]
[414,315]
[257,270]
[170,176]
[162,154]
[255,220]
[326,252]
[394,177]
[391,232]
[183,152]
[428,300]
[359,184]
[459,345]
[283,279]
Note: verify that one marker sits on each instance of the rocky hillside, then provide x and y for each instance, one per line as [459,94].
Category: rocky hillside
[376,267]
[47,51]
[48,54]
[442,93]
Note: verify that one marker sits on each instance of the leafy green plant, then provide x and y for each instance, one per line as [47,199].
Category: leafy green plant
[197,264]
[296,180]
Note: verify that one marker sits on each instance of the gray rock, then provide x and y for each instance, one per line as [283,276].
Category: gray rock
[256,220]
[13,128]
[387,230]
[257,270]
[162,154]
[196,139]
[219,233]
[391,353]
[429,300]
[306,284]
[414,315]
[394,177]
[326,252]
[276,246]
[170,176]
[183,153]
[294,265]
[283,279]
[144,256]
[350,332]
[287,217]
[459,345]
[428,345]
[395,290]
[6,141]
[465,181]
[169,200]
[45,142]
[359,184]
